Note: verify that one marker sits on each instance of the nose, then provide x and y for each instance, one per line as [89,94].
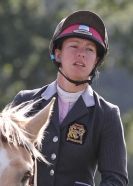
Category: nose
[81,53]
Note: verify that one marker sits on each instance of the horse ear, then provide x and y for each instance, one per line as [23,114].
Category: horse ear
[39,120]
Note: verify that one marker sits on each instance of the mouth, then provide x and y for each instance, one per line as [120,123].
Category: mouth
[79,64]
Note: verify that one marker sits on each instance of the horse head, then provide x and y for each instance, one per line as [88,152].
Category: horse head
[20,140]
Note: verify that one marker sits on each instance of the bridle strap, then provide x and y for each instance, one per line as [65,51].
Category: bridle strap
[35,172]
[33,178]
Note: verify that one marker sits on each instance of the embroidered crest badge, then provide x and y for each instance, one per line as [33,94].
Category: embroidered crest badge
[76,133]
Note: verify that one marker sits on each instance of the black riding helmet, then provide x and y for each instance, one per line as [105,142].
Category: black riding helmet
[82,24]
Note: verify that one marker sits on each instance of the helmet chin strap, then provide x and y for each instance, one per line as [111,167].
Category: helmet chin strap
[77,83]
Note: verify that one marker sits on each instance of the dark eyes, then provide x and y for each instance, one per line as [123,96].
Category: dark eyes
[90,49]
[74,46]
[27,177]
[87,48]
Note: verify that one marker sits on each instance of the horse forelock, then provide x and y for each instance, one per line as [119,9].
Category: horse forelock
[12,129]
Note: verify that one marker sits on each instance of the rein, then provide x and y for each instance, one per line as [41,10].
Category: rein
[32,177]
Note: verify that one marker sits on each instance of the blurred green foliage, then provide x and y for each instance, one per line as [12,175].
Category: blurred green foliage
[24,38]
[128,121]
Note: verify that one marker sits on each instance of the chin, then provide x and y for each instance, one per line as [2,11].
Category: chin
[79,78]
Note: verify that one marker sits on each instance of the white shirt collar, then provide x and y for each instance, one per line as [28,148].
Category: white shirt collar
[87,94]
[67,96]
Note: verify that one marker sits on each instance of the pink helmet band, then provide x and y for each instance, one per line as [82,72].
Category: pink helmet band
[84,30]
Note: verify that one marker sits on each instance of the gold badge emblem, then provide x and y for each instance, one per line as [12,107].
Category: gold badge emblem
[76,133]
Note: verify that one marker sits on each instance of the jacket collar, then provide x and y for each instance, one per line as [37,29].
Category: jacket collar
[87,96]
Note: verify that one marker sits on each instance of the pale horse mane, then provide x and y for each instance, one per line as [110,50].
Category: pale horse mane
[12,124]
